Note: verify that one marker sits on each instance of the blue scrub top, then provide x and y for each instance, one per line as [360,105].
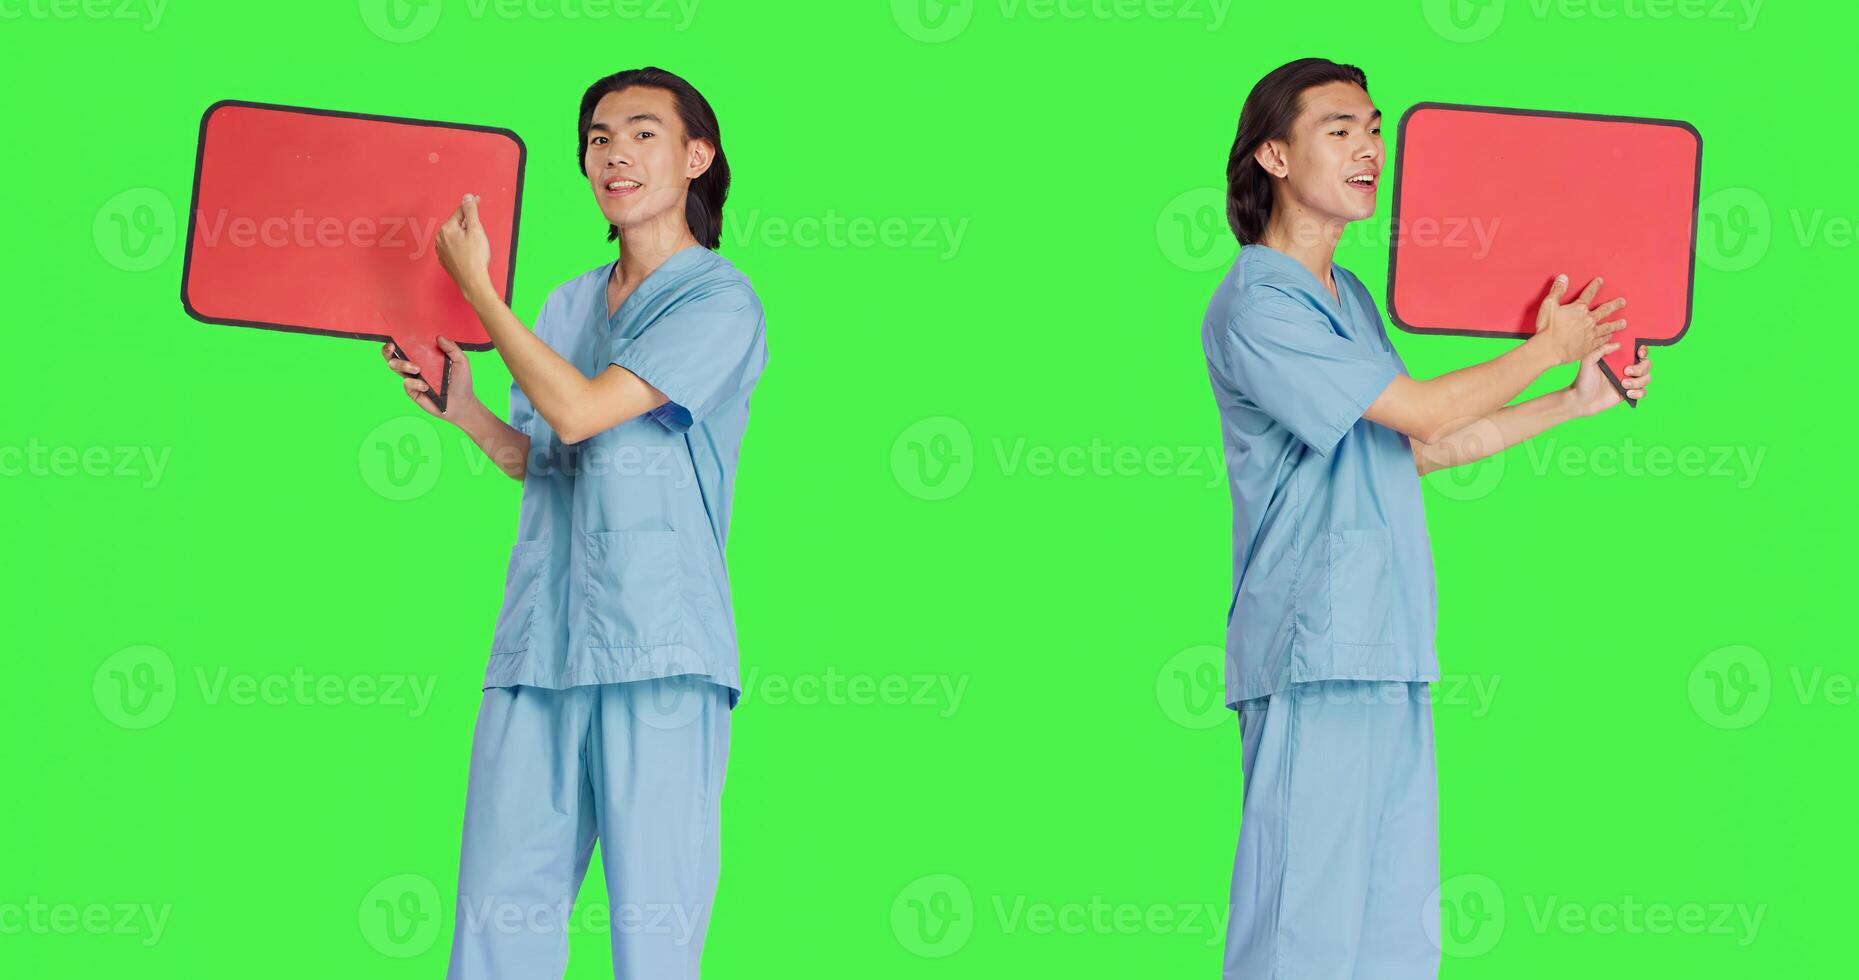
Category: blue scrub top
[617,573]
[1332,570]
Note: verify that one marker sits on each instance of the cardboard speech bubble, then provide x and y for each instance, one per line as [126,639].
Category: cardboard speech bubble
[1542,193]
[318,221]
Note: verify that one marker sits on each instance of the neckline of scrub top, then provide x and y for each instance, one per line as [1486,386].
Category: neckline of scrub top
[1340,304]
[644,284]
[1323,292]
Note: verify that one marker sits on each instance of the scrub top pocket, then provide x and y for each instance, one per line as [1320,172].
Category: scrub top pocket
[634,580]
[1362,587]
[522,584]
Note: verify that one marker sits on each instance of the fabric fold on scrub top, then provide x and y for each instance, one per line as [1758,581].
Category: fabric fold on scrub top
[618,572]
[1332,569]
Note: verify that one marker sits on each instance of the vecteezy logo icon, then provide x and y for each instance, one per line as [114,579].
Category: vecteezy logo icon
[934,915]
[1733,229]
[1730,687]
[1463,21]
[135,687]
[669,704]
[1192,230]
[400,459]
[1476,478]
[932,21]
[1191,687]
[1464,916]
[934,458]
[400,916]
[135,230]
[400,21]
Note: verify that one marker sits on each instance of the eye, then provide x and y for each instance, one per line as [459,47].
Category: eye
[645,134]
[1339,132]
[597,139]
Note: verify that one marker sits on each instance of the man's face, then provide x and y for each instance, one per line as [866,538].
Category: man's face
[638,161]
[1332,162]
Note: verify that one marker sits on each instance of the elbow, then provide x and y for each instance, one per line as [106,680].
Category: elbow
[573,429]
[1444,416]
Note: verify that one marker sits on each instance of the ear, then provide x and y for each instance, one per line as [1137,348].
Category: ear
[698,154]
[1271,158]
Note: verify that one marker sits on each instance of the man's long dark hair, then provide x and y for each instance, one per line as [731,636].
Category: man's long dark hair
[1268,114]
[703,205]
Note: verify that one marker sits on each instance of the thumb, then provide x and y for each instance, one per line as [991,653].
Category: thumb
[471,210]
[1594,356]
[1556,289]
[456,355]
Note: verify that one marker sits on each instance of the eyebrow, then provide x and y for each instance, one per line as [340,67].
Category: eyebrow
[635,117]
[1332,117]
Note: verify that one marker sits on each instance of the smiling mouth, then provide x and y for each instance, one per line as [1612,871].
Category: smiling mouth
[620,187]
[1362,182]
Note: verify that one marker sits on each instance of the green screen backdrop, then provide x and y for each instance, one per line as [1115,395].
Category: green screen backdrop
[981,532]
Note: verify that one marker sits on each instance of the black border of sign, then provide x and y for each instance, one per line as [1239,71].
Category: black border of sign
[193,210]
[1691,269]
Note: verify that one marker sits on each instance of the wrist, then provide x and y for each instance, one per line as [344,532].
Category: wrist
[1537,354]
[1568,404]
[481,294]
[467,413]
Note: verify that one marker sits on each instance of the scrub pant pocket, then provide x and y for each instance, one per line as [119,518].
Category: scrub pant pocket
[1337,870]
[637,766]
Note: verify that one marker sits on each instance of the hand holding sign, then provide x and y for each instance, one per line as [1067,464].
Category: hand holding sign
[1591,390]
[464,249]
[459,395]
[1572,330]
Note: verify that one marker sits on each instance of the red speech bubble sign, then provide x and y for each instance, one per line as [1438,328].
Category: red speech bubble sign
[1491,204]
[317,221]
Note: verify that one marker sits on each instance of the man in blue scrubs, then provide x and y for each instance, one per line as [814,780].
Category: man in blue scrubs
[613,664]
[1330,630]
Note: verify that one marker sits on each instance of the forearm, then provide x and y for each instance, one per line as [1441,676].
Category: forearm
[506,445]
[1493,433]
[1431,410]
[555,388]
[1479,390]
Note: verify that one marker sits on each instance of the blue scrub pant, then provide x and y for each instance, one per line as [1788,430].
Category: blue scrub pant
[1337,874]
[638,766]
